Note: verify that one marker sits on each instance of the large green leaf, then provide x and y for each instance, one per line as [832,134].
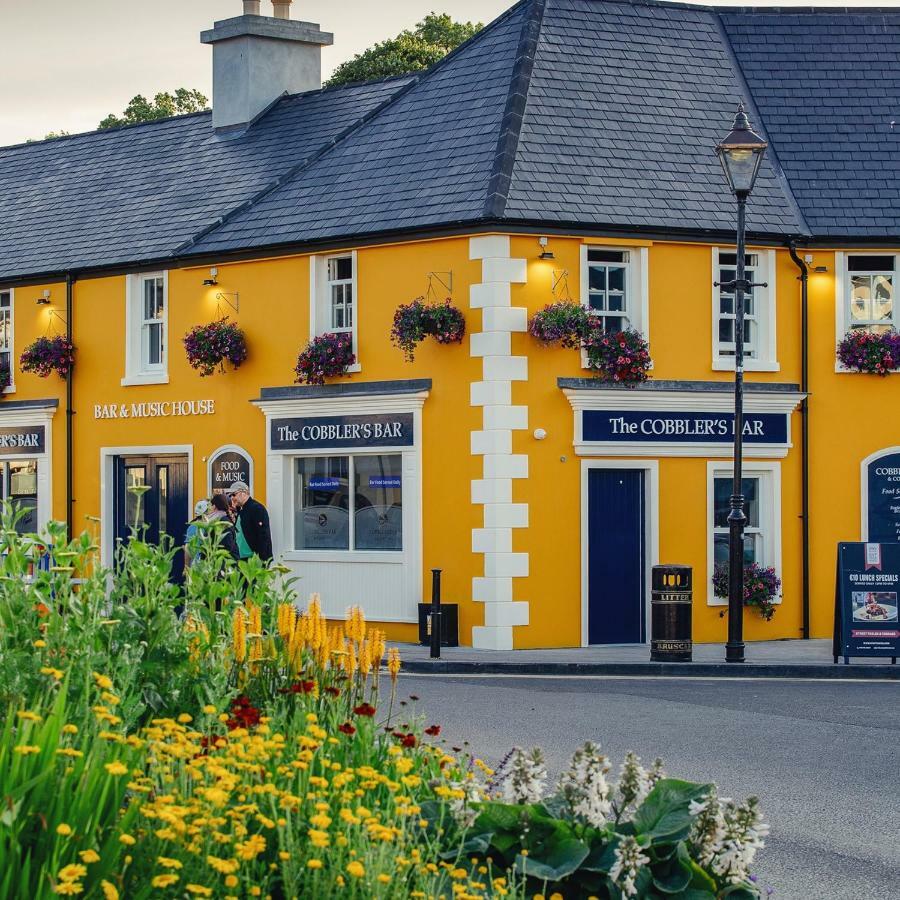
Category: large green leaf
[673,875]
[664,814]
[602,856]
[556,859]
[740,892]
[500,816]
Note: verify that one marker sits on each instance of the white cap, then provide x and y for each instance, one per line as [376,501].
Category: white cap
[202,507]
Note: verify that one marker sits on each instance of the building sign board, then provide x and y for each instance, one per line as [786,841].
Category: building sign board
[676,427]
[227,467]
[154,409]
[342,432]
[883,494]
[866,601]
[22,440]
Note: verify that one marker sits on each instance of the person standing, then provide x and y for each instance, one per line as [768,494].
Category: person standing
[254,537]
[201,509]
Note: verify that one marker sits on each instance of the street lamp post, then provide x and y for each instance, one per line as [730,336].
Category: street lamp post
[741,154]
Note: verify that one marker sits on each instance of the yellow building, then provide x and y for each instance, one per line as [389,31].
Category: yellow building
[545,160]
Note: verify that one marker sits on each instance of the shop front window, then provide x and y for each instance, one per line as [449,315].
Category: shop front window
[18,486]
[348,503]
[753,537]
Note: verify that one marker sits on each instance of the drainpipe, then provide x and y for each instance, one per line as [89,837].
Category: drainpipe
[70,500]
[803,278]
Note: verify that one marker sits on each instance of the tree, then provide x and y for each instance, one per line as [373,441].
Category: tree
[411,51]
[164,104]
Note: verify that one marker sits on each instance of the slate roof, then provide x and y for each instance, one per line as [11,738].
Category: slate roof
[586,113]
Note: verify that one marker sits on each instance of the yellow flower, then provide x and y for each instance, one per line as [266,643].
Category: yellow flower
[168,863]
[64,829]
[68,887]
[126,839]
[356,869]
[109,890]
[110,698]
[239,635]
[104,682]
[162,881]
[255,891]
[72,872]
[199,889]
[384,879]
[393,663]
[252,847]
[40,643]
[55,673]
[89,856]
[231,881]
[209,709]
[224,866]
[318,838]
[116,768]
[314,864]
[70,729]
[556,896]
[28,715]
[25,749]
[284,855]
[184,718]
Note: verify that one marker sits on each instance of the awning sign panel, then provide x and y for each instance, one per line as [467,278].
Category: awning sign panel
[674,427]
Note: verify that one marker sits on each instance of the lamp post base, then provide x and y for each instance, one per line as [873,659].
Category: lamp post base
[734,652]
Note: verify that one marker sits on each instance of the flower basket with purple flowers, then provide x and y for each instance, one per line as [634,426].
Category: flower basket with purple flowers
[874,354]
[621,357]
[761,587]
[325,356]
[564,323]
[210,346]
[47,355]
[415,321]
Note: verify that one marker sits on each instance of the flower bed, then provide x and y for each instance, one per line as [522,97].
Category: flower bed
[47,355]
[874,354]
[415,321]
[210,346]
[761,587]
[251,748]
[325,356]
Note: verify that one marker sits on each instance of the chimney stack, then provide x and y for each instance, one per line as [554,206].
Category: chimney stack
[258,58]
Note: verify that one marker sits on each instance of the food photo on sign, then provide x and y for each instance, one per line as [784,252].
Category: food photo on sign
[874,606]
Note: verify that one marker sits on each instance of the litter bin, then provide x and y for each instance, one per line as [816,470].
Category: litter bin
[670,619]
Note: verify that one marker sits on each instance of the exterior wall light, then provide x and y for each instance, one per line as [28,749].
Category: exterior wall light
[545,253]
[211,281]
[539,434]
[44,299]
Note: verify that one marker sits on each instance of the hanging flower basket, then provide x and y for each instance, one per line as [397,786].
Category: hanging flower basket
[210,346]
[5,378]
[761,587]
[564,323]
[326,356]
[873,354]
[415,321]
[48,354]
[620,357]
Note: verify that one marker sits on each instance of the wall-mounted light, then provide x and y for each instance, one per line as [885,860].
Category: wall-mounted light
[211,281]
[808,259]
[539,434]
[820,269]
[44,299]
[545,253]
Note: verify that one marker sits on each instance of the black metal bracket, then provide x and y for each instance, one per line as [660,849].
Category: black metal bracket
[744,284]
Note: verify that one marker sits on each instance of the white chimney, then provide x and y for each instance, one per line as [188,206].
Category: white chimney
[258,58]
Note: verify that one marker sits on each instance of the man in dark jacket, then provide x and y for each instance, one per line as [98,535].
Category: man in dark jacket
[252,524]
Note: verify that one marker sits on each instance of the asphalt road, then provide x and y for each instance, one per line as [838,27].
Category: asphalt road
[824,758]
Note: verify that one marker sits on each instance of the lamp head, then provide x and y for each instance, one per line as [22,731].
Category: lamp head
[741,154]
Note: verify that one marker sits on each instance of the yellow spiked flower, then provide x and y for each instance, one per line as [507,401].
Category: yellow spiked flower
[355,625]
[239,635]
[393,663]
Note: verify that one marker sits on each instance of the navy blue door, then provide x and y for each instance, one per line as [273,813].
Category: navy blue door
[616,582]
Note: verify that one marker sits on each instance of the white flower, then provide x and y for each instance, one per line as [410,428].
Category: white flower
[463,795]
[634,783]
[526,778]
[726,835]
[629,861]
[584,785]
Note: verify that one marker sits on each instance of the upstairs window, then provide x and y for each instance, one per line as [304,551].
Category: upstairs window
[333,297]
[870,295]
[340,292]
[147,326]
[726,333]
[609,290]
[6,333]
[153,323]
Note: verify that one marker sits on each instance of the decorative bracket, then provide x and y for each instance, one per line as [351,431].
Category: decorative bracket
[51,313]
[446,282]
[560,279]
[225,295]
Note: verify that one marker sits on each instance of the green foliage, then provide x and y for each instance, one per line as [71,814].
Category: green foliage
[163,105]
[411,51]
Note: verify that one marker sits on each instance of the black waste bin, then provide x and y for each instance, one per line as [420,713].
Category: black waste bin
[670,620]
[449,624]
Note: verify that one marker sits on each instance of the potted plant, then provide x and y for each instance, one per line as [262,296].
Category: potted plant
[48,354]
[621,357]
[868,352]
[325,356]
[5,377]
[415,321]
[761,587]
[210,346]
[565,323]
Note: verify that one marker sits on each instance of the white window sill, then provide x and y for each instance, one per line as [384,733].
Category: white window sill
[840,370]
[146,378]
[9,390]
[356,367]
[712,600]
[394,557]
[750,365]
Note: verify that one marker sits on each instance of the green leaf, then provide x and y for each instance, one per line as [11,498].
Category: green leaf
[500,816]
[555,860]
[664,813]
[673,875]
[601,856]
[740,892]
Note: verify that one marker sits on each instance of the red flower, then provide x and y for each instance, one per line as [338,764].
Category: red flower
[433,730]
[347,728]
[408,740]
[332,691]
[42,609]
[364,709]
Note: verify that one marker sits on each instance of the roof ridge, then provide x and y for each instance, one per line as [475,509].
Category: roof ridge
[416,79]
[514,113]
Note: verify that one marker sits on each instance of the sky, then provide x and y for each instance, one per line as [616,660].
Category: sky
[66,64]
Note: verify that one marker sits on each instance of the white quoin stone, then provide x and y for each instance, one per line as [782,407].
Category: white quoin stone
[492,637]
[513,565]
[515,417]
[492,540]
[492,590]
[491,442]
[493,293]
[490,393]
[492,490]
[505,368]
[488,245]
[505,515]
[490,343]
[499,614]
[512,465]
[504,269]
[499,318]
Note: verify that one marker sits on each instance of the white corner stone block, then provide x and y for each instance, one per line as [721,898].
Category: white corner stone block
[505,368]
[491,442]
[490,393]
[498,318]
[505,515]
[490,343]
[514,417]
[492,490]
[504,269]
[512,465]
[492,590]
[511,565]
[492,540]
[493,293]
[492,637]
[488,245]
[500,614]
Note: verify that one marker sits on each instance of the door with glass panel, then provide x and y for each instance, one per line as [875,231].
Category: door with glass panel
[18,486]
[151,500]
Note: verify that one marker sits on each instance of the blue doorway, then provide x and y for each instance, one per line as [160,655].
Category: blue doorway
[616,556]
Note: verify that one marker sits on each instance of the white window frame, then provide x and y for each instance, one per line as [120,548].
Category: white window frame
[135,370]
[765,316]
[637,294]
[12,339]
[842,298]
[320,300]
[769,475]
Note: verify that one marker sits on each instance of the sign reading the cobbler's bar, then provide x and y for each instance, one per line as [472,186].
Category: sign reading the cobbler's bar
[22,441]
[342,432]
[630,426]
